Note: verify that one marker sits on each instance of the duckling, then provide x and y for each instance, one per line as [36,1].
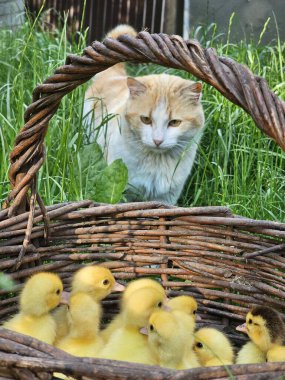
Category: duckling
[130,289]
[266,329]
[84,316]
[276,354]
[213,348]
[186,304]
[96,281]
[168,339]
[126,342]
[41,294]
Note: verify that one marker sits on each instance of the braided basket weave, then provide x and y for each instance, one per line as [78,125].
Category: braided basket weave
[227,262]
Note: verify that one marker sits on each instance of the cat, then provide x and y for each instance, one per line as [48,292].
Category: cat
[157,123]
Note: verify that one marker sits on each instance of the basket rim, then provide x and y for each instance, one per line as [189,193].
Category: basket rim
[49,359]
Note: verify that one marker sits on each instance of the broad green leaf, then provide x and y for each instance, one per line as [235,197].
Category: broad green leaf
[103,183]
[111,182]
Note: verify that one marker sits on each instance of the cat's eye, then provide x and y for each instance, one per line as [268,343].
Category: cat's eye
[174,123]
[146,119]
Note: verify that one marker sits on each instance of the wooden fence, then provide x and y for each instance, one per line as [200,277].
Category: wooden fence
[102,15]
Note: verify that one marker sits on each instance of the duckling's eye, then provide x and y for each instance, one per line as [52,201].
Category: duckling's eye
[106,282]
[159,304]
[194,312]
[250,321]
[58,291]
[199,345]
[151,327]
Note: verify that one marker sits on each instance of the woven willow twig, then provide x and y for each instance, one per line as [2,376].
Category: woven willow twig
[32,359]
[233,80]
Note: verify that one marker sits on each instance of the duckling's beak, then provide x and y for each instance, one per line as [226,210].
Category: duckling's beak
[64,298]
[118,287]
[198,318]
[242,328]
[144,331]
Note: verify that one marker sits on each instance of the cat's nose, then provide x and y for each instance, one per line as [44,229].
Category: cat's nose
[157,142]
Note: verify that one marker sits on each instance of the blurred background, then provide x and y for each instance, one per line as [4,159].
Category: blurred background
[169,16]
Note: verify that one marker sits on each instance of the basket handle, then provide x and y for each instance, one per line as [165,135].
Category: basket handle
[233,80]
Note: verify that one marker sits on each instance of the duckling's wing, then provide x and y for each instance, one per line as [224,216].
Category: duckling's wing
[276,354]
[250,353]
[42,328]
[126,344]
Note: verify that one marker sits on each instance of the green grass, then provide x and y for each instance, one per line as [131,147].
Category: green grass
[237,165]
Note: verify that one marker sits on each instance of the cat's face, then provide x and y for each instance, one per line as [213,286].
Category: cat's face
[163,111]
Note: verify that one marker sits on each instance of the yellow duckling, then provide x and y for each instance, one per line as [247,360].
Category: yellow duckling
[168,339]
[186,304]
[96,281]
[266,329]
[130,289]
[84,319]
[126,342]
[41,294]
[213,348]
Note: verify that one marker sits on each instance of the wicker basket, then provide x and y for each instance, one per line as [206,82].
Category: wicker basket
[227,262]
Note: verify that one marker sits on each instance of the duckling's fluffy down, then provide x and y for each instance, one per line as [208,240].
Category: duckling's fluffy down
[41,293]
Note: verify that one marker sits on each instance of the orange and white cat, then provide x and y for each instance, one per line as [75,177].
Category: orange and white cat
[157,125]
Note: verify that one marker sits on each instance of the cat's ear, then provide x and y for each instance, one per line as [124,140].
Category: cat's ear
[136,88]
[193,91]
